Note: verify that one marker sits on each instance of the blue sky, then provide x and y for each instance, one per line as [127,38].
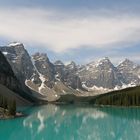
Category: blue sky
[79,30]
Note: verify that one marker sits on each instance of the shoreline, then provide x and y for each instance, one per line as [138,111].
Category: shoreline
[4,115]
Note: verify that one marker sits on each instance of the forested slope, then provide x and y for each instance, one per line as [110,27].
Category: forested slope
[125,97]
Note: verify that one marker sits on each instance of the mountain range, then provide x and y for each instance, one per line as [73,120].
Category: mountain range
[104,75]
[35,78]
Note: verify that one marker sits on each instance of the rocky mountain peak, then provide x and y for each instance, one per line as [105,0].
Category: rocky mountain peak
[126,62]
[58,62]
[101,73]
[71,66]
[40,57]
[19,60]
[18,47]
[43,65]
[104,61]
[126,65]
[15,44]
[13,50]
[72,63]
[102,65]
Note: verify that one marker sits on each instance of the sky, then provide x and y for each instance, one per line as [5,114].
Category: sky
[78,30]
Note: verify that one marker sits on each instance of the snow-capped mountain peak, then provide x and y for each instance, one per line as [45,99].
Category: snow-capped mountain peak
[15,44]
[104,61]
[126,62]
[127,65]
[71,65]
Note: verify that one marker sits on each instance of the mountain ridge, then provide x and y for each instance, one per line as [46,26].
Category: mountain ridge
[49,80]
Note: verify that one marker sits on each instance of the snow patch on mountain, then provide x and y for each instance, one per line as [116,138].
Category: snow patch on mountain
[42,86]
[57,77]
[14,44]
[5,53]
[93,88]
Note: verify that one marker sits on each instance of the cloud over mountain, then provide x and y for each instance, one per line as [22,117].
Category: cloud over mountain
[61,32]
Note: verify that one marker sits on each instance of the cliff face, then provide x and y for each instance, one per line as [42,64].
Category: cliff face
[67,74]
[7,76]
[20,62]
[44,68]
[12,84]
[9,85]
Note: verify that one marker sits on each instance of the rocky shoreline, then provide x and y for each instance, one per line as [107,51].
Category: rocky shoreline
[4,114]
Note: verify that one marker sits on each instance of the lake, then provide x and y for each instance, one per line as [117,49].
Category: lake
[73,122]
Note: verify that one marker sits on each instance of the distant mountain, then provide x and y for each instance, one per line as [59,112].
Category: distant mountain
[70,77]
[100,74]
[130,72]
[104,75]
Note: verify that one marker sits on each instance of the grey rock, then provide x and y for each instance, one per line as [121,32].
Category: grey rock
[130,72]
[10,81]
[45,67]
[20,62]
[101,74]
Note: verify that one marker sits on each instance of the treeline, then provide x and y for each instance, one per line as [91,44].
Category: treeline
[9,105]
[125,97]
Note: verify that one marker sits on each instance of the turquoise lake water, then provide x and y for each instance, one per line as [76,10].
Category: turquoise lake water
[69,122]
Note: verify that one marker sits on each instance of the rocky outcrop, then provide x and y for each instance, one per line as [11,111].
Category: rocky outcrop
[70,76]
[67,74]
[101,74]
[20,62]
[7,76]
[45,68]
[130,72]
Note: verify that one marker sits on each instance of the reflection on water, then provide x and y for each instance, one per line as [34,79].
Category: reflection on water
[71,122]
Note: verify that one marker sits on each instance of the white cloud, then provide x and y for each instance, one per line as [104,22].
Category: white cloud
[61,34]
